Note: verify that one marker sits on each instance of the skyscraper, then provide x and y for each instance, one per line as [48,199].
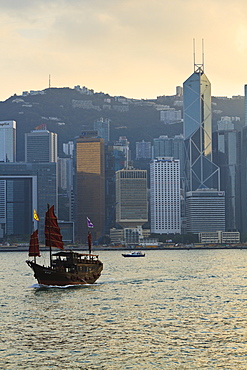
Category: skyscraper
[143,149]
[165,196]
[131,197]
[205,211]
[23,188]
[90,186]
[200,171]
[40,146]
[103,127]
[228,159]
[165,146]
[7,141]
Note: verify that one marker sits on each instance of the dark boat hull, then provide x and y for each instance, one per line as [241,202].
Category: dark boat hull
[51,276]
[129,255]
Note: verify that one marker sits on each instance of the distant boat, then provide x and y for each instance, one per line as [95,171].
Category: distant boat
[66,267]
[134,254]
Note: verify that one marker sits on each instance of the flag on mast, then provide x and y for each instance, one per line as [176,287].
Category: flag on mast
[35,215]
[89,223]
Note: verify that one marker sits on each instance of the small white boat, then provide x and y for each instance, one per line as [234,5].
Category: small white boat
[134,254]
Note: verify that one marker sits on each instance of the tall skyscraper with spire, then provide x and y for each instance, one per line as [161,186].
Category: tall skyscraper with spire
[202,175]
[200,171]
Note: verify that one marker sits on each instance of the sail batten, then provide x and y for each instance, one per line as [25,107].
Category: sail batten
[53,237]
[34,245]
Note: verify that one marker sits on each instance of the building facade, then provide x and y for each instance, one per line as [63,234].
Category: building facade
[143,149]
[228,159]
[23,188]
[40,146]
[90,186]
[131,197]
[102,126]
[165,146]
[200,171]
[7,141]
[205,211]
[165,205]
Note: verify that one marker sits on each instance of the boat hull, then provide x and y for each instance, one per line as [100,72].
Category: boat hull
[129,255]
[51,276]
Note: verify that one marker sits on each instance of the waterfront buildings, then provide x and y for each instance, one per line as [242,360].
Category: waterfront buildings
[165,205]
[205,211]
[23,188]
[131,197]
[90,186]
[7,141]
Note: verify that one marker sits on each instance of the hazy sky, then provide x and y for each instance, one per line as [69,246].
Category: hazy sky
[135,48]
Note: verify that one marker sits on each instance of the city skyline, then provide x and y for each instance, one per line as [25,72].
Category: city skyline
[119,48]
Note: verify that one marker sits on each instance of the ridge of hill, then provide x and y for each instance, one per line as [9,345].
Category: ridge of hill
[69,111]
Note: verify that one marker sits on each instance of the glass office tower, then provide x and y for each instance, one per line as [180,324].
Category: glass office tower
[200,171]
[90,186]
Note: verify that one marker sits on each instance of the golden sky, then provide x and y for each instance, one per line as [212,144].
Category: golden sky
[135,48]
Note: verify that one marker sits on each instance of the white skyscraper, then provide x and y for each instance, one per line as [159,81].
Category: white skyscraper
[7,141]
[165,195]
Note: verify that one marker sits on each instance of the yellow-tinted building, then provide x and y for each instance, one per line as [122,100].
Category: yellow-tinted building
[90,187]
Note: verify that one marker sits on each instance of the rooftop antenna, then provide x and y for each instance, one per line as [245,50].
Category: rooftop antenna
[49,81]
[198,67]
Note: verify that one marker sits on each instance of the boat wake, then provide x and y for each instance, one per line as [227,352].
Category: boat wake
[46,287]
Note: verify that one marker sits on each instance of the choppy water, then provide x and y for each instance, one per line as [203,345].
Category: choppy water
[169,310]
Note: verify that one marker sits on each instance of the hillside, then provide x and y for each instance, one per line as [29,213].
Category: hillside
[69,111]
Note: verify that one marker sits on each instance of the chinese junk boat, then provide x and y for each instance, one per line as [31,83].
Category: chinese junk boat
[66,266]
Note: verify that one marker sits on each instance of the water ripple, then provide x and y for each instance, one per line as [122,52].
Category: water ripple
[171,310]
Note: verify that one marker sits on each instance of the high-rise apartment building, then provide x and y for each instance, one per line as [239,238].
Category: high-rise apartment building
[200,171]
[7,141]
[131,197]
[40,146]
[102,126]
[90,186]
[165,196]
[143,149]
[165,146]
[122,153]
[170,116]
[205,211]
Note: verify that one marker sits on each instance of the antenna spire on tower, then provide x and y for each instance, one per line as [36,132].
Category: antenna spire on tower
[198,67]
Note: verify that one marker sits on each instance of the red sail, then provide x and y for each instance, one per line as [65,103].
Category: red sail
[34,245]
[53,237]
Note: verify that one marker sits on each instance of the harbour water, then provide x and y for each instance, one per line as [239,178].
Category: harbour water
[170,310]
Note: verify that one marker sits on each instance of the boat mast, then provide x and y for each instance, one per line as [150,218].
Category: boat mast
[49,230]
